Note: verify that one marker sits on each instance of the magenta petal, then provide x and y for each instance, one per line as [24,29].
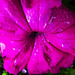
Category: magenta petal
[66,62]
[39,34]
[58,58]
[62,28]
[60,19]
[15,12]
[46,11]
[66,41]
[21,59]
[37,12]
[37,63]
[30,8]
[12,36]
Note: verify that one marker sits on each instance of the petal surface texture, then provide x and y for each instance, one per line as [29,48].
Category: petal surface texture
[37,34]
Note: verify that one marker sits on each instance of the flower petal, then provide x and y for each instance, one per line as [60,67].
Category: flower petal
[14,10]
[16,52]
[58,58]
[12,36]
[15,65]
[31,10]
[37,63]
[60,19]
[61,30]
[45,57]
[45,11]
[64,41]
[66,62]
[37,12]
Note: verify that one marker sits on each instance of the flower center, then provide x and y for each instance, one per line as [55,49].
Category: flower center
[34,34]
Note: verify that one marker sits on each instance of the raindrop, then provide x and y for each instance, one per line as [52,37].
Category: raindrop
[52,19]
[35,54]
[65,45]
[24,71]
[45,25]
[60,30]
[62,45]
[47,40]
[15,62]
[14,49]
[36,50]
[29,18]
[2,46]
[68,22]
[28,12]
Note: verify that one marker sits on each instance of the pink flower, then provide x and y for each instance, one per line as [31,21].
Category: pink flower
[39,34]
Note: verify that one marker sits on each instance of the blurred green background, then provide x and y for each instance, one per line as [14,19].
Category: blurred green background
[70,71]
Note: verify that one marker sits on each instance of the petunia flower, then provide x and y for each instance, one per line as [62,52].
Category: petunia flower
[39,34]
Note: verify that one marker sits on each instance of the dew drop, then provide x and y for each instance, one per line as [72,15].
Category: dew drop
[36,50]
[24,71]
[62,45]
[67,22]
[28,12]
[45,25]
[35,54]
[15,62]
[47,40]
[14,49]
[65,45]
[29,18]
[2,46]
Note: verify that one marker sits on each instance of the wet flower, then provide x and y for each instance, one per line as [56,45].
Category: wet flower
[39,34]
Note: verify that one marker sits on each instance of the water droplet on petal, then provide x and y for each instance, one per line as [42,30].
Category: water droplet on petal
[28,18]
[60,30]
[65,45]
[62,45]
[2,46]
[36,50]
[67,22]
[14,49]
[47,40]
[24,71]
[35,54]
[45,25]
[15,62]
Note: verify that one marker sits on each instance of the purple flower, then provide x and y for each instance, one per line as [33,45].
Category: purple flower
[39,34]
